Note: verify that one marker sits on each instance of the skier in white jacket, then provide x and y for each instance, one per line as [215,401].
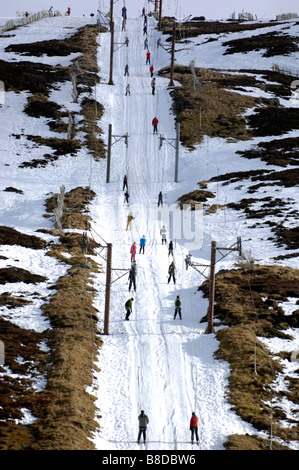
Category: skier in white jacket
[163,233]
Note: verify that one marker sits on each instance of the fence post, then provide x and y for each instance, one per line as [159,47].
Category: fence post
[211,289]
[2,360]
[108,286]
[70,126]
[58,211]
[11,24]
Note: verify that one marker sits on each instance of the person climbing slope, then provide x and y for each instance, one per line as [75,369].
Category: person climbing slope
[155,125]
[170,248]
[163,233]
[124,12]
[148,58]
[133,251]
[153,85]
[143,422]
[129,221]
[171,272]
[160,199]
[142,244]
[132,276]
[178,305]
[128,307]
[194,427]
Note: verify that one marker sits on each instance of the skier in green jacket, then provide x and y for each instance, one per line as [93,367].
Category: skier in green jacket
[128,307]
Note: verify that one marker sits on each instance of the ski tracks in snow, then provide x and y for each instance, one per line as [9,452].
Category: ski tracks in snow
[152,361]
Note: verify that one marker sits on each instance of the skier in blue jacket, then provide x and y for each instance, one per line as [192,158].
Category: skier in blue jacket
[142,244]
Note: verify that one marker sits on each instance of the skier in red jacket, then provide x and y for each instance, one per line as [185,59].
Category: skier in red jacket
[194,427]
[152,70]
[148,58]
[155,124]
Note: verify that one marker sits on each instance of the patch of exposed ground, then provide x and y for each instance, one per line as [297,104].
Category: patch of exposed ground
[63,411]
[246,442]
[216,111]
[39,79]
[11,302]
[286,236]
[269,207]
[197,26]
[280,152]
[39,105]
[247,304]
[10,189]
[14,274]
[268,81]
[84,42]
[10,236]
[273,121]
[274,43]
[195,197]
[25,362]
[31,76]
[60,147]
[75,214]
[91,112]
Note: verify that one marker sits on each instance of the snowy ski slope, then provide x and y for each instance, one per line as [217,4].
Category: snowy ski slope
[152,361]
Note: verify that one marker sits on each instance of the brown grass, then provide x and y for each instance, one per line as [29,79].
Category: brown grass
[216,111]
[59,145]
[13,274]
[10,236]
[67,421]
[249,314]
[272,44]
[197,196]
[246,442]
[64,412]
[39,79]
[39,105]
[12,302]
[75,201]
[92,111]
[197,26]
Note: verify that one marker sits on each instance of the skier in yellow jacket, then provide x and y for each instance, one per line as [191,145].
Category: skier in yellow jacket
[129,221]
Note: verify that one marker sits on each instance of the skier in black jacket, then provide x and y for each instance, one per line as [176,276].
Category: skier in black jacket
[171,272]
[132,276]
[143,422]
[160,199]
[178,305]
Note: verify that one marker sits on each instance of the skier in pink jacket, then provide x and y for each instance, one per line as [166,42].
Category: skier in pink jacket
[133,251]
